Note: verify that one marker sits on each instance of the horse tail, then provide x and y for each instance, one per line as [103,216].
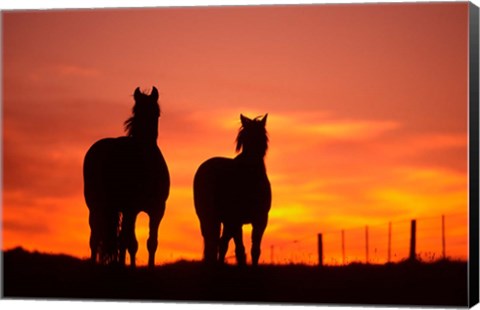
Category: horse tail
[205,218]
[206,208]
[104,219]
[109,251]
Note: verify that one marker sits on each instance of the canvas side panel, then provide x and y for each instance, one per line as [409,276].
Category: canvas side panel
[474,156]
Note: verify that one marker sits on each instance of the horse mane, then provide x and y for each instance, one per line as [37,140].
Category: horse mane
[128,126]
[253,133]
[145,107]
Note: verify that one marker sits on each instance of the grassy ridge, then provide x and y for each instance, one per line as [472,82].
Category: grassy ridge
[44,276]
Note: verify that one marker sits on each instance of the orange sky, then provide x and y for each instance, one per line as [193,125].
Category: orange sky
[367,119]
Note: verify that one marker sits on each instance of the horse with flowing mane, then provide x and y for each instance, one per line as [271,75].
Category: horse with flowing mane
[234,192]
[122,177]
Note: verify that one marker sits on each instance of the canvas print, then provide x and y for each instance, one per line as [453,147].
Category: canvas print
[280,154]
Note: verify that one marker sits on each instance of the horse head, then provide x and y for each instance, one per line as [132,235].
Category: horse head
[143,123]
[252,137]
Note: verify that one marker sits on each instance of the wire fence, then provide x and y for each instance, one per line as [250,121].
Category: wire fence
[432,238]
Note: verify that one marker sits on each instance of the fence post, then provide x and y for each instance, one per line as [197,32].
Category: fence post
[444,252]
[320,250]
[343,246]
[366,244]
[413,236]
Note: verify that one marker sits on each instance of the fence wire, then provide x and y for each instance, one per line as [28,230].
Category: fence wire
[436,237]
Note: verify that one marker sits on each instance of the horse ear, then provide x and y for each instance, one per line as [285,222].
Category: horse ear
[137,94]
[245,120]
[264,120]
[154,93]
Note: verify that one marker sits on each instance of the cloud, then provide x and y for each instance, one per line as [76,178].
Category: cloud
[25,227]
[328,128]
[420,191]
[77,71]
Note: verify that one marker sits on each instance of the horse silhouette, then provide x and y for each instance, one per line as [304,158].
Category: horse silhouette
[122,177]
[234,192]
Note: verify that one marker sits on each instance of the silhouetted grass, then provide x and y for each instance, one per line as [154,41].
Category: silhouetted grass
[43,276]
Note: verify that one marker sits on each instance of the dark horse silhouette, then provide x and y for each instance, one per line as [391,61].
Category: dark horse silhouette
[234,192]
[122,177]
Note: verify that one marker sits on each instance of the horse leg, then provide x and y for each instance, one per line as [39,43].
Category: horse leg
[239,247]
[211,233]
[227,234]
[128,241]
[257,234]
[122,244]
[152,242]
[122,249]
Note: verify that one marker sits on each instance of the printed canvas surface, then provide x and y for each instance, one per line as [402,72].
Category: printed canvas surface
[294,154]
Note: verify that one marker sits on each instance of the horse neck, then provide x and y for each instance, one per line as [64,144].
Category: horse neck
[252,160]
[144,131]
[145,138]
[144,142]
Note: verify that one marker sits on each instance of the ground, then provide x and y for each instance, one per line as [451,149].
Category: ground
[44,276]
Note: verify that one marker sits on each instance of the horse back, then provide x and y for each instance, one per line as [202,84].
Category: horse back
[231,190]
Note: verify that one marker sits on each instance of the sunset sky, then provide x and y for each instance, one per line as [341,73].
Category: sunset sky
[367,119]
